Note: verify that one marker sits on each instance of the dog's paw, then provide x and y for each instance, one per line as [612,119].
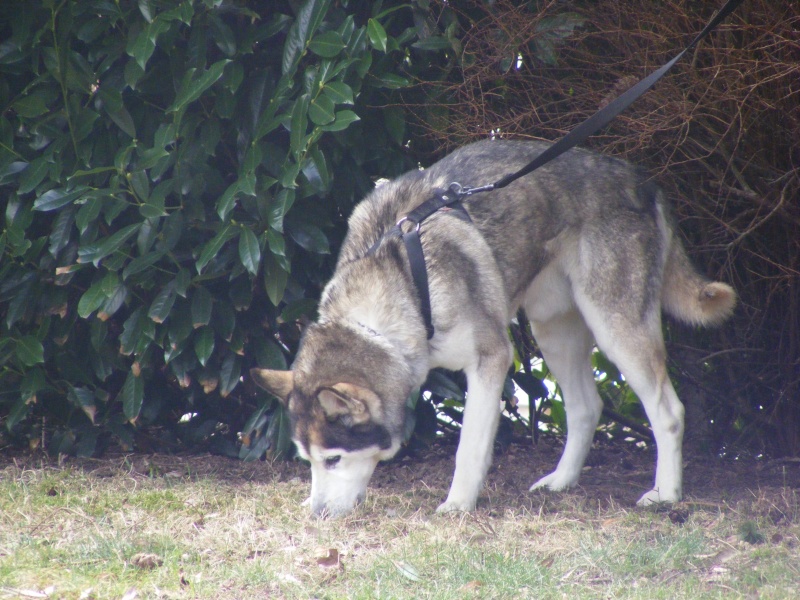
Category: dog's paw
[449,506]
[654,496]
[554,482]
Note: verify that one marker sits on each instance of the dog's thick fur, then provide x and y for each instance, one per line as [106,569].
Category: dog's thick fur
[583,244]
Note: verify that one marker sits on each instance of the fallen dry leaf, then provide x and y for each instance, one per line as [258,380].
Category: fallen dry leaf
[678,516]
[472,586]
[328,557]
[146,561]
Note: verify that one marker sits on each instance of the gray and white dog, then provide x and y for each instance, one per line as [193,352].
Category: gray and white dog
[584,245]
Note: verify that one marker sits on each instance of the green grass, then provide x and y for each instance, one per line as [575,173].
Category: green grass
[76,535]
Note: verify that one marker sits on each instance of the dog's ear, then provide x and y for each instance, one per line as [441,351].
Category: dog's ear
[278,383]
[357,403]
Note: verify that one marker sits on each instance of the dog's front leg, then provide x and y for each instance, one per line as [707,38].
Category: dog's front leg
[481,414]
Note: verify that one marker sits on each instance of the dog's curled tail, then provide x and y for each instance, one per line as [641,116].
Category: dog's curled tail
[689,296]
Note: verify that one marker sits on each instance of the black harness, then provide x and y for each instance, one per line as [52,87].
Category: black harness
[449,199]
[452,196]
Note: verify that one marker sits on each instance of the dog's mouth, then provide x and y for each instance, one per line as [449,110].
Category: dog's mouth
[331,512]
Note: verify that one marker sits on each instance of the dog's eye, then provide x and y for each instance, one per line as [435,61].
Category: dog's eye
[332,461]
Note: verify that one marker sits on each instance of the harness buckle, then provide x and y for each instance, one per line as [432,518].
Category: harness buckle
[399,224]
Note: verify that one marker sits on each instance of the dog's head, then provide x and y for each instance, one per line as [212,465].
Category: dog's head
[341,423]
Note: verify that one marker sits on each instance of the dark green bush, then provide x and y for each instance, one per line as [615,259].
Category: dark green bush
[174,176]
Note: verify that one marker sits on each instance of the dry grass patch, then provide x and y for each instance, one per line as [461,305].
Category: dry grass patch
[204,527]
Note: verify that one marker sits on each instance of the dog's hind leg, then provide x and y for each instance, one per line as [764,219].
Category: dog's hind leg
[636,346]
[566,344]
[485,378]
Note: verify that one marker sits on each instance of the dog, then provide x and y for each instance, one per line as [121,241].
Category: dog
[584,245]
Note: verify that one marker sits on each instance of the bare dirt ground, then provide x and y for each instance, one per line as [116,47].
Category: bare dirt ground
[615,474]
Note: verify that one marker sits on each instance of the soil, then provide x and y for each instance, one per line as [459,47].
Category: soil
[616,473]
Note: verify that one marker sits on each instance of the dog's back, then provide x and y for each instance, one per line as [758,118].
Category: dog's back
[608,207]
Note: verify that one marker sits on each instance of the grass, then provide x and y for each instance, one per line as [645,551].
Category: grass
[71,533]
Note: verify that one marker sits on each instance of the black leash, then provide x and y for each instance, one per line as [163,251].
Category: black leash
[455,193]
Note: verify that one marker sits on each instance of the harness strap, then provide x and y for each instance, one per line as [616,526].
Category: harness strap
[450,200]
[419,274]
[441,199]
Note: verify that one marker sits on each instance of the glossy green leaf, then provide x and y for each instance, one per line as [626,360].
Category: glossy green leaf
[8,171]
[268,354]
[33,382]
[84,124]
[142,263]
[140,184]
[30,106]
[392,81]
[180,329]
[202,305]
[241,293]
[309,17]
[95,252]
[377,35]
[299,123]
[224,320]
[193,87]
[83,398]
[141,46]
[19,410]
[33,175]
[132,331]
[344,118]
[278,208]
[321,110]
[327,44]
[289,173]
[223,36]
[183,279]
[88,213]
[434,43]
[277,244]
[116,298]
[279,433]
[171,232]
[212,248]
[29,351]
[132,396]
[91,300]
[339,92]
[122,118]
[227,201]
[56,198]
[249,251]
[204,344]
[162,304]
[298,308]
[310,237]
[229,374]
[61,232]
[275,279]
